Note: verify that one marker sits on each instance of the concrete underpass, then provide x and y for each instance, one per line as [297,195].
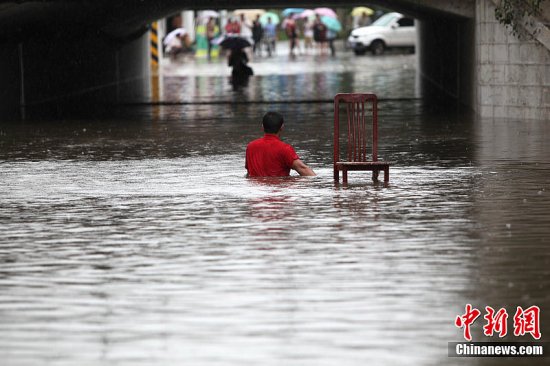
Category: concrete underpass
[97,51]
[132,235]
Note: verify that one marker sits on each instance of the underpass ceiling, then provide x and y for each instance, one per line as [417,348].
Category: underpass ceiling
[120,19]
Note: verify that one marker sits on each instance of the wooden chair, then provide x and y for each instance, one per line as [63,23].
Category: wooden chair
[357,107]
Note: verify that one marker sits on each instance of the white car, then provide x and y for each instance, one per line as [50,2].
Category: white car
[389,31]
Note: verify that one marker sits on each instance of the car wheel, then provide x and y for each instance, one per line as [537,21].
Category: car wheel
[359,52]
[377,47]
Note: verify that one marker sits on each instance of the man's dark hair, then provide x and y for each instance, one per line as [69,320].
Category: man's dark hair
[272,122]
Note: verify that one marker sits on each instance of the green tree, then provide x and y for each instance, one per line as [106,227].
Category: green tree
[512,12]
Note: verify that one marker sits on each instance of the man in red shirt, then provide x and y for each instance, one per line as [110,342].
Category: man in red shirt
[269,156]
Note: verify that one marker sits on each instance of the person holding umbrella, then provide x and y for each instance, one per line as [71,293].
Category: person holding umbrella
[331,36]
[291,32]
[246,31]
[308,34]
[238,60]
[333,27]
[364,20]
[177,42]
[320,33]
[362,16]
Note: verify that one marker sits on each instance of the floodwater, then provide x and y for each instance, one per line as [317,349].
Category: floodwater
[131,237]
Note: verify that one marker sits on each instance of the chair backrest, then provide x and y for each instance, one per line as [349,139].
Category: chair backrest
[359,110]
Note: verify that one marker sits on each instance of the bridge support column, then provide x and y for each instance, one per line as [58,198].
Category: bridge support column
[513,76]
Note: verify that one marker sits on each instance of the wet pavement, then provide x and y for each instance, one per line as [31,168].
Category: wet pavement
[131,236]
[307,76]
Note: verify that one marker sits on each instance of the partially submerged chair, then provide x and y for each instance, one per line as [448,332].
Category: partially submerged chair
[360,109]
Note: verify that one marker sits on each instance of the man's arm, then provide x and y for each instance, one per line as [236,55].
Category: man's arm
[302,168]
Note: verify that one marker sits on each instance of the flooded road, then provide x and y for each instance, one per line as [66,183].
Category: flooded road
[131,236]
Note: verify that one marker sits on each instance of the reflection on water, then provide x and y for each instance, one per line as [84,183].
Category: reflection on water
[283,79]
[134,238]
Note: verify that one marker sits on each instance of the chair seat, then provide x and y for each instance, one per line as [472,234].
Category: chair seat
[361,165]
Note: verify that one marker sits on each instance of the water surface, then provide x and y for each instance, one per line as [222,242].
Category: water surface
[131,237]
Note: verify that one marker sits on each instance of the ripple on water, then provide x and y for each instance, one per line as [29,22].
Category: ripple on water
[136,239]
[116,248]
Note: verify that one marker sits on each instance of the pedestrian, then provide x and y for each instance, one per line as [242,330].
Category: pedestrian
[320,34]
[246,32]
[308,35]
[269,156]
[240,73]
[246,28]
[364,21]
[228,26]
[270,36]
[291,33]
[211,32]
[331,36]
[175,47]
[257,35]
[232,28]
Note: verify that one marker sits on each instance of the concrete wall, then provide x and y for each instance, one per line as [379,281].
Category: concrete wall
[10,83]
[513,76]
[79,69]
[446,59]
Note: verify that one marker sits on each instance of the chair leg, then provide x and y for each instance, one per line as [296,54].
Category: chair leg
[345,176]
[386,174]
[375,175]
[336,175]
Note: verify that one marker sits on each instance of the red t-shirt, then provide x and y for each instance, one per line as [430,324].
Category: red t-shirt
[269,157]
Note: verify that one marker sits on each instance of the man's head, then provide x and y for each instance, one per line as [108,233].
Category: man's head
[272,122]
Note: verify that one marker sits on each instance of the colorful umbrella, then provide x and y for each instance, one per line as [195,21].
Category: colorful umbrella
[205,14]
[308,13]
[170,36]
[325,11]
[290,11]
[274,18]
[360,10]
[332,23]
